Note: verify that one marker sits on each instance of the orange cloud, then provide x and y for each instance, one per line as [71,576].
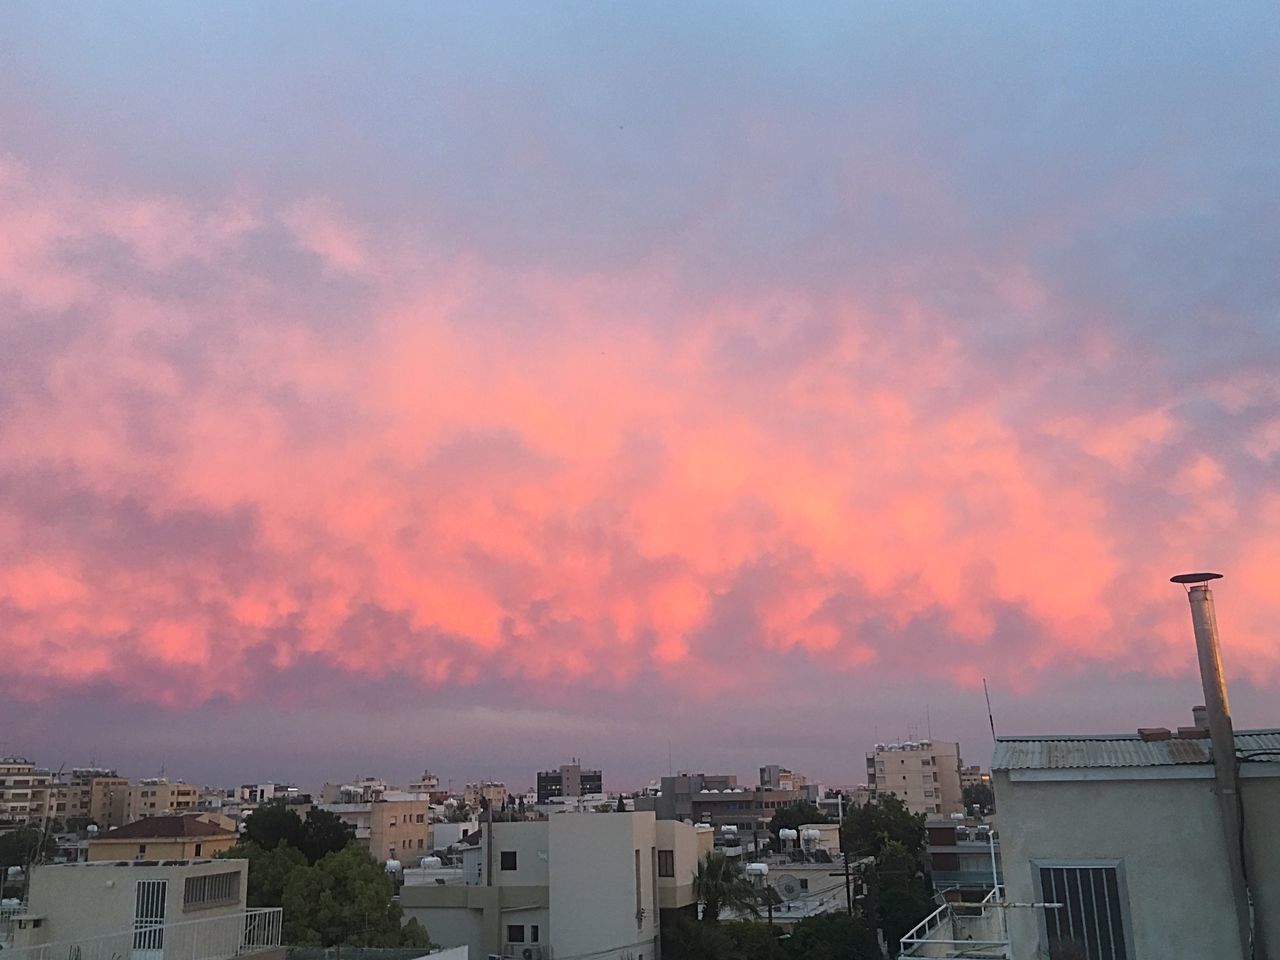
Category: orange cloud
[405,473]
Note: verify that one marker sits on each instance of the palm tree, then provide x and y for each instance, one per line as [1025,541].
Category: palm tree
[720,882]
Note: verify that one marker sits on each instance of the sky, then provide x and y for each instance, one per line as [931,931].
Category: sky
[473,386]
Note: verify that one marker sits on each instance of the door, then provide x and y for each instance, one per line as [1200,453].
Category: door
[148,919]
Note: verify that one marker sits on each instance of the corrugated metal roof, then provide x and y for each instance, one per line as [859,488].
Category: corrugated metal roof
[1127,750]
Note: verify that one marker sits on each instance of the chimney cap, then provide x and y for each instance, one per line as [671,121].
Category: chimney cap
[1155,733]
[1195,577]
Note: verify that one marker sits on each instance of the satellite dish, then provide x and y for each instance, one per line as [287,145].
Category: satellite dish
[788,886]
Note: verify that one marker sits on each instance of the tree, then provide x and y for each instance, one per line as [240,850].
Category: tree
[272,824]
[831,936]
[866,829]
[796,816]
[269,870]
[324,833]
[980,795]
[19,847]
[622,805]
[345,899]
[905,895]
[720,883]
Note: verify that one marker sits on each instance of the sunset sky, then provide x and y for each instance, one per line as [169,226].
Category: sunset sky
[472,386]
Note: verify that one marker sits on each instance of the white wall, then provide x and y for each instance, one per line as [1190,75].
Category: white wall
[81,900]
[1167,835]
[593,885]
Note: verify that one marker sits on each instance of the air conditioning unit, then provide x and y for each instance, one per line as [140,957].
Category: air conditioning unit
[531,951]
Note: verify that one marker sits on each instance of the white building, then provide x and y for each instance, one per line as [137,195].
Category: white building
[192,909]
[1126,833]
[576,885]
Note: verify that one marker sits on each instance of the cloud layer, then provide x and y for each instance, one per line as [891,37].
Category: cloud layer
[916,369]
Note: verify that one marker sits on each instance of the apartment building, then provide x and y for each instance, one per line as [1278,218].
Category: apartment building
[774,777]
[973,775]
[925,775]
[570,780]
[163,838]
[718,800]
[576,885]
[97,794]
[365,790]
[490,791]
[24,790]
[156,796]
[396,827]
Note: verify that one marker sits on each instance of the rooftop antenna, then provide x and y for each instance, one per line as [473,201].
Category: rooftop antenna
[990,717]
[928,723]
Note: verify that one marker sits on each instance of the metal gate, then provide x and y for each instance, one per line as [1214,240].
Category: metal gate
[148,920]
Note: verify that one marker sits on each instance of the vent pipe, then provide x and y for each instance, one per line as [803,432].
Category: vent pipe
[1226,776]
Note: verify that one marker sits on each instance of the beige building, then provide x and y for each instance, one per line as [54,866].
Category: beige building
[163,838]
[156,796]
[194,910]
[97,794]
[493,791]
[398,827]
[576,885]
[24,790]
[924,774]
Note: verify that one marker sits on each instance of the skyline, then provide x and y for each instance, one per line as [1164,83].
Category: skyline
[470,388]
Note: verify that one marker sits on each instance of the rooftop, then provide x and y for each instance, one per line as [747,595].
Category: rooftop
[176,826]
[1123,750]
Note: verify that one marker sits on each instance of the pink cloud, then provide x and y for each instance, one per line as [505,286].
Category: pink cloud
[561,484]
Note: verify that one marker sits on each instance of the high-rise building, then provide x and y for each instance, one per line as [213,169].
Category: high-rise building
[571,780]
[924,774]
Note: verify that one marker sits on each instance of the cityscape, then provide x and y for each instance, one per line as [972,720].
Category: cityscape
[595,481]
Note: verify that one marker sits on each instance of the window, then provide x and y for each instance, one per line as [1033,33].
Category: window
[533,933]
[421,817]
[515,933]
[1090,924]
[507,861]
[142,850]
[211,890]
[393,821]
[804,883]
[419,843]
[199,847]
[666,863]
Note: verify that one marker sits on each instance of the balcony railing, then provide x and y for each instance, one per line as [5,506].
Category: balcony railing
[210,938]
[961,930]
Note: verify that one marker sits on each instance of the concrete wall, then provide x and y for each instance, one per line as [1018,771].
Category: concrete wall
[82,900]
[683,840]
[1167,835]
[529,841]
[594,893]
[159,848]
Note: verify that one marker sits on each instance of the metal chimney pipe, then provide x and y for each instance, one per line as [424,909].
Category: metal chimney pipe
[1221,735]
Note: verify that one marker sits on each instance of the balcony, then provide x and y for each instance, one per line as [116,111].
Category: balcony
[215,938]
[974,931]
